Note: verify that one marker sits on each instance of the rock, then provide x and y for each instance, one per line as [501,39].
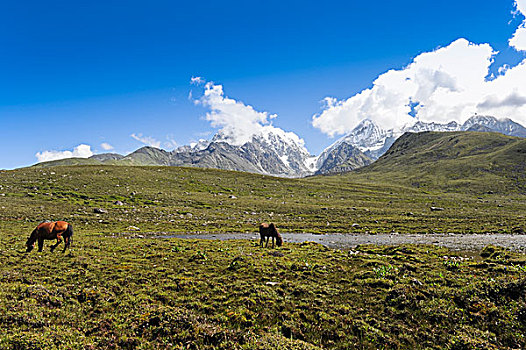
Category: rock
[270,283]
[133,228]
[118,203]
[100,211]
[436,209]
[232,196]
[356,225]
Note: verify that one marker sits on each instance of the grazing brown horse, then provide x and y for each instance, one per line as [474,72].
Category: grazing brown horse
[51,230]
[268,231]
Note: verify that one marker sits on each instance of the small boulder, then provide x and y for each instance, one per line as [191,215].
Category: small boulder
[436,209]
[100,211]
[133,228]
[118,203]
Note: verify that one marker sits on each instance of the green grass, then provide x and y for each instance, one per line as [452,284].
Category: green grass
[193,200]
[465,162]
[131,293]
[112,291]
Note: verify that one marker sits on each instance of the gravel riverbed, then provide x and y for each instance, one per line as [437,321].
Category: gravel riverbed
[461,242]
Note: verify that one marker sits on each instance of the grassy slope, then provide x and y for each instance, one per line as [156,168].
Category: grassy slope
[196,200]
[473,162]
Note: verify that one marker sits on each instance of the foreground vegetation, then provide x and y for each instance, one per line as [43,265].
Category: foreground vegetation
[114,291]
[167,293]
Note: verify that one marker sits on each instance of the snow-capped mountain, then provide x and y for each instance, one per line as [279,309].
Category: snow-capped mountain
[366,137]
[194,146]
[504,126]
[269,151]
[420,126]
[374,141]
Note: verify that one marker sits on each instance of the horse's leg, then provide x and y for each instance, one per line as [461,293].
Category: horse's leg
[272,241]
[40,244]
[266,245]
[261,239]
[59,240]
[66,244]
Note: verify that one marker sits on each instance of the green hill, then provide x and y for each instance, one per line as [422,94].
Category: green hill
[455,161]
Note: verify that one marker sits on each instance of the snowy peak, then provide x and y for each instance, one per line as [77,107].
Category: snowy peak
[269,150]
[420,126]
[374,141]
[505,126]
[367,135]
[194,146]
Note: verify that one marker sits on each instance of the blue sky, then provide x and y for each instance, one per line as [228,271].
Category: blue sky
[93,72]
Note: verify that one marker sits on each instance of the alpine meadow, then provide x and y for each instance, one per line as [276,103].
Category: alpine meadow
[263,175]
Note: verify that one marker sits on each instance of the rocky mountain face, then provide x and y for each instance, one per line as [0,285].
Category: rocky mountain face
[504,126]
[340,159]
[272,151]
[375,141]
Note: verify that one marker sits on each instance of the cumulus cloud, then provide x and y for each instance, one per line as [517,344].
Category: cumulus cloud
[106,146]
[147,140]
[236,120]
[518,40]
[449,83]
[81,151]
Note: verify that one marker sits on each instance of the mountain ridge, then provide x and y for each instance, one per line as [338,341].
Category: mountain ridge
[464,160]
[273,151]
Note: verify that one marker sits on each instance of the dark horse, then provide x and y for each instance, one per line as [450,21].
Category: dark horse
[51,230]
[269,230]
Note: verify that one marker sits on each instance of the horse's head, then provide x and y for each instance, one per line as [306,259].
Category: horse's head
[30,244]
[275,233]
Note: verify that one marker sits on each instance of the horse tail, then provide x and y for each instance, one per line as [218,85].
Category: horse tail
[69,233]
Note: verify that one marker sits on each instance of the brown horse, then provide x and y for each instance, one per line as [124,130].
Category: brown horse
[267,231]
[51,230]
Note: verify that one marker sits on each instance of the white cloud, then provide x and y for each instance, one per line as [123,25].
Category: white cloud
[443,85]
[106,146]
[170,142]
[197,80]
[81,151]
[147,140]
[237,121]
[518,40]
